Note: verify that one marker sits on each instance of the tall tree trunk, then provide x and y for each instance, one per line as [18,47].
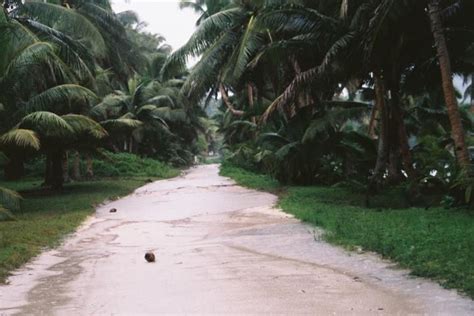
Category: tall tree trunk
[65,167]
[89,166]
[250,95]
[76,166]
[407,158]
[457,130]
[383,145]
[230,106]
[373,122]
[47,171]
[472,92]
[399,130]
[395,175]
[57,179]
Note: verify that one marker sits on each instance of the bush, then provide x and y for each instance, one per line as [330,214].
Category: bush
[112,165]
[129,165]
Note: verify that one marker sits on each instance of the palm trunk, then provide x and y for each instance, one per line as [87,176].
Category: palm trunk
[383,145]
[407,158]
[472,92]
[395,175]
[76,167]
[373,122]
[399,131]
[65,167]
[89,166]
[251,96]
[457,130]
[230,106]
[57,179]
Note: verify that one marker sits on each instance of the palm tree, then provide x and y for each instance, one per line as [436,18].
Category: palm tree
[57,134]
[457,129]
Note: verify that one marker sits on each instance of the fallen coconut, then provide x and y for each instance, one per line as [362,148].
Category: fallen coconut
[150,257]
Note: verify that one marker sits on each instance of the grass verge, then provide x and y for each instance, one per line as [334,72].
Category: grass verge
[436,243]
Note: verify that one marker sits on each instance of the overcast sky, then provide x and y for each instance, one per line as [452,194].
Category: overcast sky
[163,17]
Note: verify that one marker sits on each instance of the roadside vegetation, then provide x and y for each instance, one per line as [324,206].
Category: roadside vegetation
[436,243]
[329,92]
[352,106]
[82,102]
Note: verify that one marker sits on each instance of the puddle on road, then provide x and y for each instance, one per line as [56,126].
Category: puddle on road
[220,249]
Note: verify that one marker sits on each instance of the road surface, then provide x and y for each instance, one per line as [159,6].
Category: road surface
[220,249]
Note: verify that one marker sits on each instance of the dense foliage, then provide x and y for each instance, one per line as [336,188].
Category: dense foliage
[76,77]
[358,92]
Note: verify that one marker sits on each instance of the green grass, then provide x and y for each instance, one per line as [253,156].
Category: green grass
[249,179]
[436,243]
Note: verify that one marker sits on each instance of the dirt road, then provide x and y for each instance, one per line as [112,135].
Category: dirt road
[220,249]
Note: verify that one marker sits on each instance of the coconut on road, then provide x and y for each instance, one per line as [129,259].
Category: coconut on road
[219,248]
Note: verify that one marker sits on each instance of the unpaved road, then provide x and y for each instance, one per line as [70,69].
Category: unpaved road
[220,249]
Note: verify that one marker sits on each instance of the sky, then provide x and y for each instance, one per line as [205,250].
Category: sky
[163,17]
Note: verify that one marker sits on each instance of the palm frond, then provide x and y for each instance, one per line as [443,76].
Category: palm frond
[61,99]
[251,41]
[162,101]
[171,115]
[14,37]
[46,124]
[38,58]
[205,73]
[149,113]
[71,51]
[69,22]
[205,37]
[121,125]
[332,119]
[20,138]
[83,125]
[287,98]
[113,105]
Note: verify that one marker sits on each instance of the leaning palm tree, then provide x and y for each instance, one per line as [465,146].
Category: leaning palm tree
[457,129]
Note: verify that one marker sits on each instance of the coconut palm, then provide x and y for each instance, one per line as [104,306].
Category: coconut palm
[458,134]
[57,134]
